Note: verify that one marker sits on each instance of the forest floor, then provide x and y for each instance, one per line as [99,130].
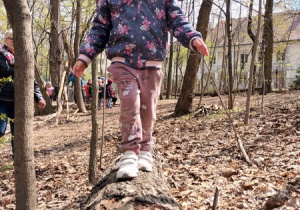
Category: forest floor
[199,155]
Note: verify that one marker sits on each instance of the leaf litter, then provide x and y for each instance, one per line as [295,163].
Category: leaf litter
[200,154]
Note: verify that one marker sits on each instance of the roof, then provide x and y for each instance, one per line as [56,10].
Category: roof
[286,26]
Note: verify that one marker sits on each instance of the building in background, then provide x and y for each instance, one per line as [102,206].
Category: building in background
[286,53]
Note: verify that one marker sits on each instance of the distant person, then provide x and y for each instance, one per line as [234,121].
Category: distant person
[71,78]
[109,93]
[100,93]
[115,98]
[56,89]
[7,62]
[88,92]
[50,90]
[134,35]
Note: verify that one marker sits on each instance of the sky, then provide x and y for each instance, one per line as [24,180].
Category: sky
[240,7]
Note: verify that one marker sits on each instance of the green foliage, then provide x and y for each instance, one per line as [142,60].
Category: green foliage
[297,81]
[2,140]
[5,80]
[3,117]
[5,168]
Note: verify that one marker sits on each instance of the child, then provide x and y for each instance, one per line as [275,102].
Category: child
[87,91]
[100,93]
[109,93]
[135,36]
[50,90]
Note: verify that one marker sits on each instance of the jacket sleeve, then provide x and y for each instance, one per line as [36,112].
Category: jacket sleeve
[178,24]
[5,68]
[99,33]
[37,92]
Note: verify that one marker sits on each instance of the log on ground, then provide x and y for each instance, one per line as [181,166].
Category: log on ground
[149,190]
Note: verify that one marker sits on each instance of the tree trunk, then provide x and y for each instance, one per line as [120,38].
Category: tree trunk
[24,73]
[252,36]
[49,108]
[229,55]
[268,45]
[177,66]
[185,99]
[95,125]
[252,65]
[169,82]
[78,92]
[56,56]
[147,191]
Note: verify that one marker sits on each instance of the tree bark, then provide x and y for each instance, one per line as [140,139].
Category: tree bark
[56,56]
[95,125]
[49,108]
[229,55]
[147,191]
[177,66]
[252,66]
[78,93]
[24,76]
[268,45]
[169,82]
[252,36]
[186,97]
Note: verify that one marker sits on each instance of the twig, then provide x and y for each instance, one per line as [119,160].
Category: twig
[239,140]
[59,105]
[103,119]
[216,199]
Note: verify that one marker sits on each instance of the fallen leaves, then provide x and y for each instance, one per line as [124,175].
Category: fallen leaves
[199,155]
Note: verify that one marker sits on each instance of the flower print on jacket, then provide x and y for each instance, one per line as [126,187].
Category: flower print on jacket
[136,30]
[174,14]
[128,2]
[123,29]
[115,15]
[160,14]
[151,46]
[146,24]
[129,48]
[89,49]
[139,63]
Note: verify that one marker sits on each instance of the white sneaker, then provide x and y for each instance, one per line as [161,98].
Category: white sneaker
[128,165]
[145,161]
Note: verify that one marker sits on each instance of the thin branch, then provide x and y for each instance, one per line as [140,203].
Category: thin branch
[237,137]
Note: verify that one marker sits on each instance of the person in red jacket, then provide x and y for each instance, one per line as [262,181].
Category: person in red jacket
[87,91]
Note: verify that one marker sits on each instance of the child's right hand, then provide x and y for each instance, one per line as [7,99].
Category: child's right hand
[78,68]
[200,46]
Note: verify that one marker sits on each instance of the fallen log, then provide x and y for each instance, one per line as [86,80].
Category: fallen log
[147,191]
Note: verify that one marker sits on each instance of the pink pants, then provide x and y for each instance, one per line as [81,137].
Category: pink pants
[138,92]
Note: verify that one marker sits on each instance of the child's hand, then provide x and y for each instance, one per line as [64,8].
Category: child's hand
[200,46]
[78,68]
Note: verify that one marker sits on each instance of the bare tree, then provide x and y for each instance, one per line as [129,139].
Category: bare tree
[169,82]
[267,43]
[254,48]
[185,99]
[78,92]
[95,125]
[56,52]
[229,55]
[252,37]
[20,18]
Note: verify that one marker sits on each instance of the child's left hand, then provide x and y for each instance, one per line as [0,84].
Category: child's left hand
[200,46]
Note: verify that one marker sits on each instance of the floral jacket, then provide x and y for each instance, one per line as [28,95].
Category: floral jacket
[136,30]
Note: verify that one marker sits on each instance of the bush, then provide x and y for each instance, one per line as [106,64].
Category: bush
[296,84]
